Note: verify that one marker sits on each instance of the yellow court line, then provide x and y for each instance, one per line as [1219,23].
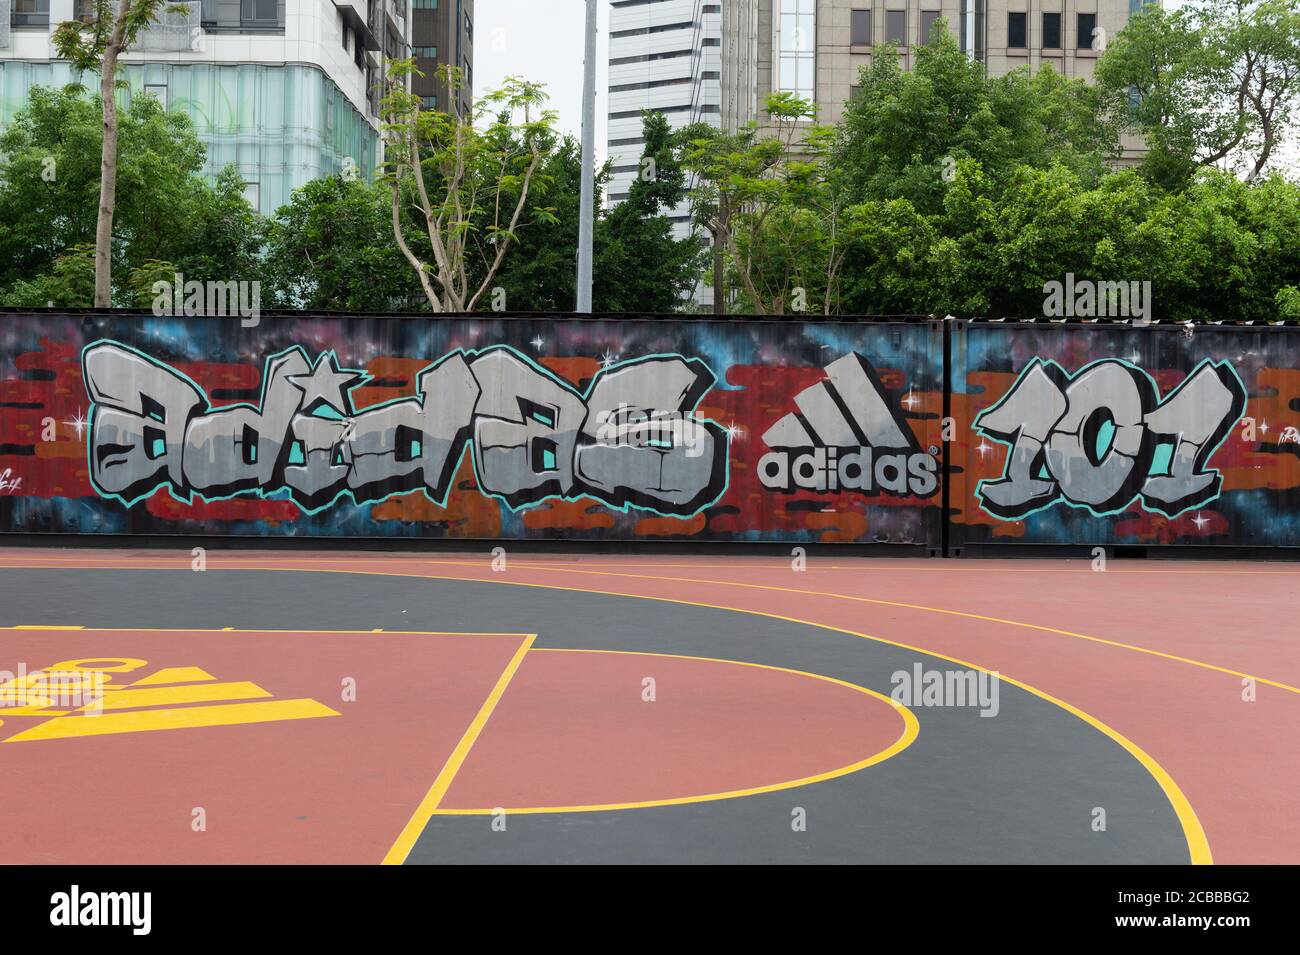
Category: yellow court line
[940,610]
[415,825]
[1193,832]
[300,632]
[812,593]
[911,728]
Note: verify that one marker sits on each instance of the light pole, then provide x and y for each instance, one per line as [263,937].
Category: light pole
[588,212]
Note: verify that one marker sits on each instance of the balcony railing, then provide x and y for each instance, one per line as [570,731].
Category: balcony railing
[174,30]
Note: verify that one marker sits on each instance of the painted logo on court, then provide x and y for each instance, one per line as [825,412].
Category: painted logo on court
[106,695]
[845,436]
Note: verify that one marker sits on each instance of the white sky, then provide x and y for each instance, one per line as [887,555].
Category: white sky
[542,41]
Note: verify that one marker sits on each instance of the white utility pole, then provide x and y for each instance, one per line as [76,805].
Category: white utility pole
[586,222]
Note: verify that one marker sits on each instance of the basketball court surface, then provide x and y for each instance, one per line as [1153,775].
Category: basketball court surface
[295,707]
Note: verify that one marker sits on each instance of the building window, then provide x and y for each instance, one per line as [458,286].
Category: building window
[1016,30]
[158,90]
[424,4]
[425,52]
[469,28]
[430,102]
[860,27]
[896,27]
[928,19]
[253,194]
[31,13]
[1087,24]
[257,11]
[1051,31]
[796,64]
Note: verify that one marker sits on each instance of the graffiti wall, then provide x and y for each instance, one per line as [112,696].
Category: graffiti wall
[501,428]
[1108,434]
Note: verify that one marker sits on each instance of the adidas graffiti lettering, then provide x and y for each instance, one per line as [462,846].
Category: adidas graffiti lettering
[832,470]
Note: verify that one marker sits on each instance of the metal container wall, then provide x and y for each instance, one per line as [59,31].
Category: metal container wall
[496,428]
[1107,434]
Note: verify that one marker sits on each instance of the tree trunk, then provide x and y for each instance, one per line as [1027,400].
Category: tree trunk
[719,277]
[107,172]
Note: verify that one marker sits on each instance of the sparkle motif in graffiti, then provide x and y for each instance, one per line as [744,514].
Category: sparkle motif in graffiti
[630,441]
[1102,438]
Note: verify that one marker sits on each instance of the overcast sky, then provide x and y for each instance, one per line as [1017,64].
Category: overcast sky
[542,41]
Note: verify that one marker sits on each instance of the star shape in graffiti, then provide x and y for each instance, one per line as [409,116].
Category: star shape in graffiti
[328,383]
[1200,521]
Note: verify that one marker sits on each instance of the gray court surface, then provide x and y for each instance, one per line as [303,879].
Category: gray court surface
[1021,787]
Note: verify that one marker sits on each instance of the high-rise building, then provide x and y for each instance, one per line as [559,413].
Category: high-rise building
[285,90]
[664,56]
[816,47]
[442,34]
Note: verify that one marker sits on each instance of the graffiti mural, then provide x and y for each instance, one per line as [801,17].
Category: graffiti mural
[1110,434]
[1101,438]
[630,440]
[489,428]
[921,434]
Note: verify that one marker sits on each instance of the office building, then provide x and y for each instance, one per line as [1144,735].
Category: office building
[286,90]
[816,47]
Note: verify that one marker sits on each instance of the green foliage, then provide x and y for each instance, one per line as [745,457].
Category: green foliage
[905,131]
[1213,83]
[1221,249]
[331,248]
[464,180]
[49,193]
[639,265]
[69,283]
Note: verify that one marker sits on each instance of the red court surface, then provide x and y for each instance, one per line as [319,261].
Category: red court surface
[1194,667]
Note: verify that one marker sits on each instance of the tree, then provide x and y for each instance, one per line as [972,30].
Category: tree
[448,172]
[97,44]
[331,248]
[165,211]
[1211,84]
[770,202]
[639,265]
[904,133]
